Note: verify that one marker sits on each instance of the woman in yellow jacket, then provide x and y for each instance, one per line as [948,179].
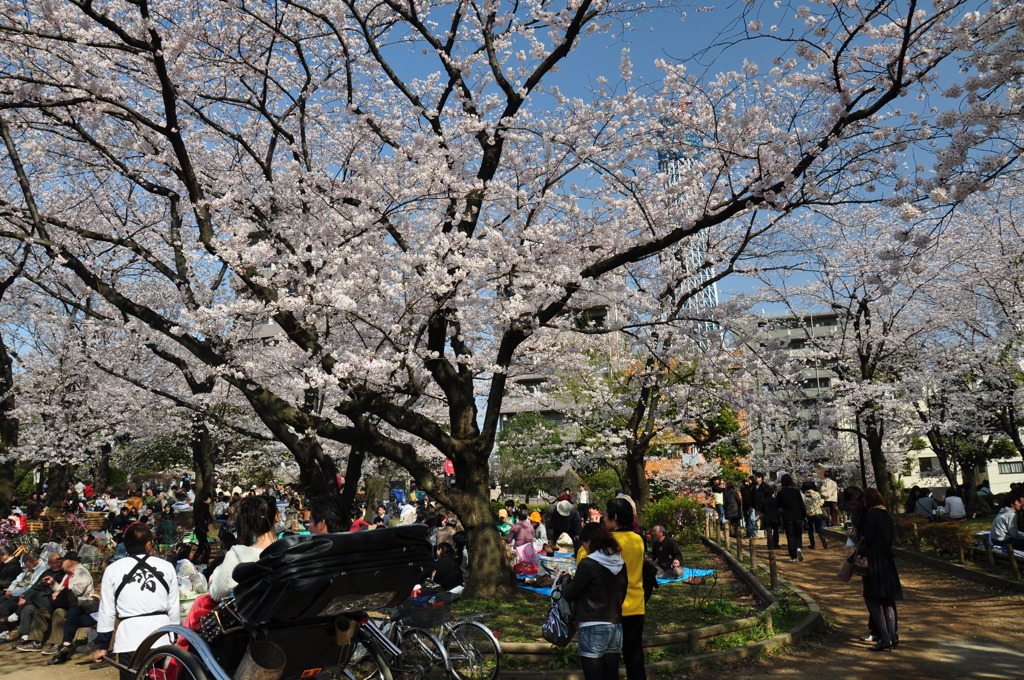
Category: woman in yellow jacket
[618,517]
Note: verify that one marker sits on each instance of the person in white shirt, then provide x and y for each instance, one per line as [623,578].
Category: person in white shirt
[829,491]
[255,517]
[954,505]
[189,580]
[141,592]
[408,513]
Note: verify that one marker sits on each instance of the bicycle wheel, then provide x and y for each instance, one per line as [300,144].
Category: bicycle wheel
[423,656]
[473,651]
[367,664]
[170,662]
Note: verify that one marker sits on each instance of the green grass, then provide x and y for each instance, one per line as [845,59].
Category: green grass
[674,607]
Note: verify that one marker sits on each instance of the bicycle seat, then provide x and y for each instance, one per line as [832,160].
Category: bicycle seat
[321,575]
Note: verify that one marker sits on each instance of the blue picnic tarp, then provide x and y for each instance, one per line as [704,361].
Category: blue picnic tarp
[687,573]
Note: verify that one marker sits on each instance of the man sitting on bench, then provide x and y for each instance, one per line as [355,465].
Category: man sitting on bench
[1004,526]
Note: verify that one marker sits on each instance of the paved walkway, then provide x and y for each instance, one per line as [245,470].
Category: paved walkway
[949,628]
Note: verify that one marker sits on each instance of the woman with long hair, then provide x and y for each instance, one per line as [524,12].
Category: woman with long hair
[882,587]
[255,518]
[619,519]
[597,591]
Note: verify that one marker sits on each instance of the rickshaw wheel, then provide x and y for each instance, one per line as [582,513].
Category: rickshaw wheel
[170,662]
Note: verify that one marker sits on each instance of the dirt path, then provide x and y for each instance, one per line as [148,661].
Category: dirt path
[949,628]
[32,666]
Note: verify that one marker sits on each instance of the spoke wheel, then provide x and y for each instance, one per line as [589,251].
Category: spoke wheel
[366,664]
[473,651]
[423,656]
[170,662]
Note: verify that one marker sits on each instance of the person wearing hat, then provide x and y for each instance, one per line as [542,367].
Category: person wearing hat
[74,588]
[446,533]
[504,526]
[540,534]
[563,518]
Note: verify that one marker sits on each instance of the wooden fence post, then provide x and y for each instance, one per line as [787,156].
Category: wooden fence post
[1013,563]
[773,570]
[753,554]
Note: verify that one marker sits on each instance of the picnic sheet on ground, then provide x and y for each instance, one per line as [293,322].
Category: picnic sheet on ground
[687,573]
[981,541]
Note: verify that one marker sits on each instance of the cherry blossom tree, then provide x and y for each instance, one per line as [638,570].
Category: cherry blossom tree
[355,213]
[877,275]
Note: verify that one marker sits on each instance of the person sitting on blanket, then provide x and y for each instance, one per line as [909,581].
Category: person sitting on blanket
[522,532]
[665,554]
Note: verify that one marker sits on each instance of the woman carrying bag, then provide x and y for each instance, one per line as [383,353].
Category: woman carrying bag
[596,592]
[882,587]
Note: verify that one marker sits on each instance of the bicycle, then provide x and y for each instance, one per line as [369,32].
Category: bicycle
[391,650]
[472,648]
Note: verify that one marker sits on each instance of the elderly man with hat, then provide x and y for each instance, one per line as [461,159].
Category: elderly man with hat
[75,588]
[563,518]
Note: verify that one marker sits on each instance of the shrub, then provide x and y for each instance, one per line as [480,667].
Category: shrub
[681,517]
[949,538]
[908,528]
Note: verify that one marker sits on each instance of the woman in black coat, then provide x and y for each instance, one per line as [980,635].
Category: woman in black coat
[733,508]
[597,591]
[882,585]
[792,511]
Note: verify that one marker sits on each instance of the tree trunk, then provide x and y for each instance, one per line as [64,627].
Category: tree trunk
[101,477]
[8,428]
[353,472]
[376,493]
[317,472]
[204,456]
[57,477]
[637,485]
[490,574]
[874,436]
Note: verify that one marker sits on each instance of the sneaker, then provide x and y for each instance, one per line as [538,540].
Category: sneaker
[5,636]
[87,648]
[13,618]
[63,654]
[29,646]
[793,560]
[50,649]
[799,555]
[869,638]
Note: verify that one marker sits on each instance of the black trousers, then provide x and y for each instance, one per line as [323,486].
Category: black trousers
[794,535]
[633,647]
[202,533]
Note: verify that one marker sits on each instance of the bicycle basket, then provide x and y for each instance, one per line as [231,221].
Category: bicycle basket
[425,612]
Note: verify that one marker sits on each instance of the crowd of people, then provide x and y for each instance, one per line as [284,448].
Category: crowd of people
[49,593]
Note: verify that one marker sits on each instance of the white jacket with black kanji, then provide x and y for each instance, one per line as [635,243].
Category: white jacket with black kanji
[142,592]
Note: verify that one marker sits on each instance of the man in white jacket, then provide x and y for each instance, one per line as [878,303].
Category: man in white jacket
[140,590]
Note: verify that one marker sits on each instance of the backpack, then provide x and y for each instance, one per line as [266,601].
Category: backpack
[560,626]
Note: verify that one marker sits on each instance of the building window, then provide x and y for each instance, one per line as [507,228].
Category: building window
[1014,467]
[928,464]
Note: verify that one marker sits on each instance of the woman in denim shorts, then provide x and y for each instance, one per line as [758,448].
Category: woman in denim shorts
[597,591]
